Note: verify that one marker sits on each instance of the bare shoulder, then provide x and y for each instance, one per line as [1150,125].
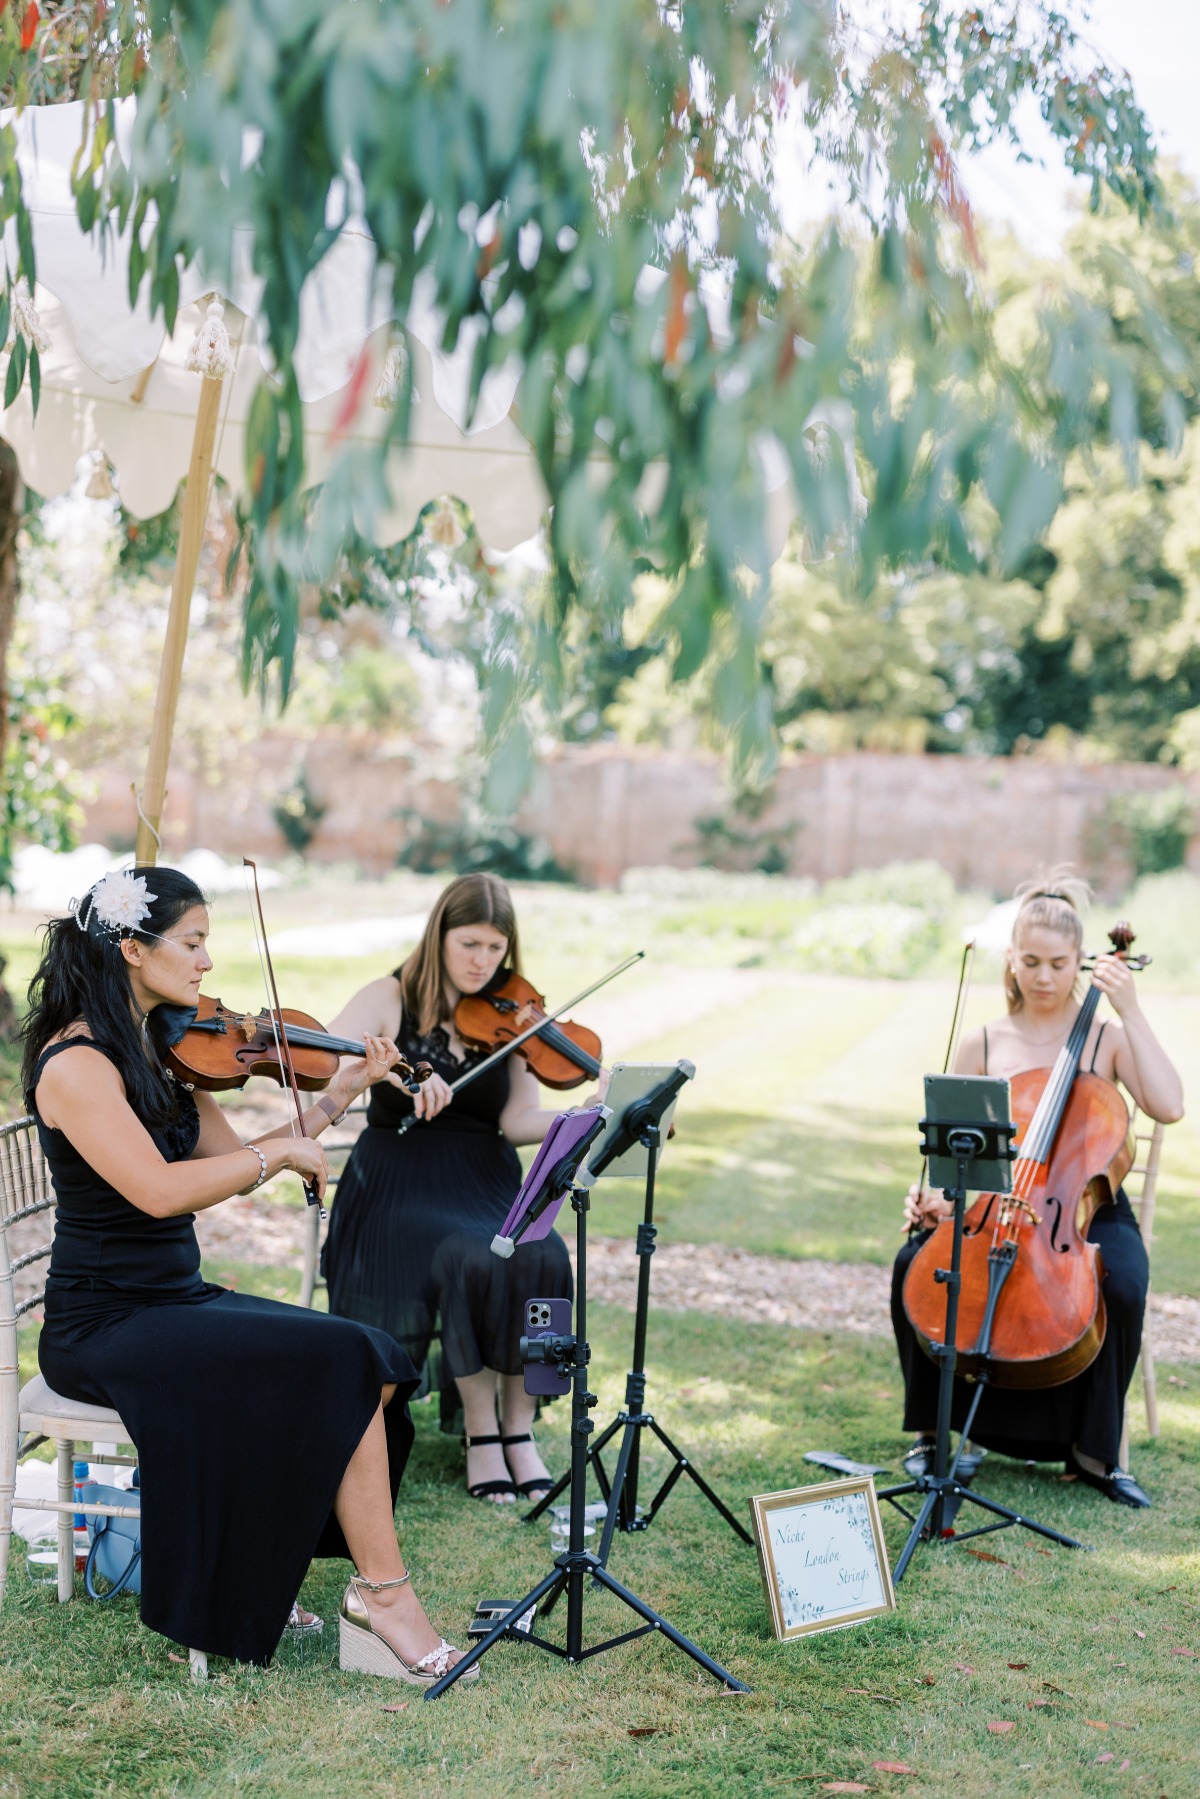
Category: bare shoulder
[374,1008]
[81,1070]
[381,997]
[971,1053]
[1106,1048]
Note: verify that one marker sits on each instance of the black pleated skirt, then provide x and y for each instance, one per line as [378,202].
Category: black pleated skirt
[1043,1424]
[244,1413]
[409,1245]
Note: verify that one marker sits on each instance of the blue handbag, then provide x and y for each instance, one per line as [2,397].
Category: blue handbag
[116,1543]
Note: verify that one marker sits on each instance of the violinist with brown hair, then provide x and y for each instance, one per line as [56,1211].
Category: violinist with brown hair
[409,1246]
[1080,1420]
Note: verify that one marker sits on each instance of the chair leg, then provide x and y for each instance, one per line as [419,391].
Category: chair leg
[197,1664]
[1149,1385]
[8,1488]
[1123,1452]
[66,1520]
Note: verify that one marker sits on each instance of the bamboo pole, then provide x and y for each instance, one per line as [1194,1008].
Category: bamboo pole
[170,673]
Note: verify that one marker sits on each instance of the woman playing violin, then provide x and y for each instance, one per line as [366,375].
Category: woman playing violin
[266,1435]
[1080,1420]
[409,1246]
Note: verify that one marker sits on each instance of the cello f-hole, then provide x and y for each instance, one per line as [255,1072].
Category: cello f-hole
[1062,1248]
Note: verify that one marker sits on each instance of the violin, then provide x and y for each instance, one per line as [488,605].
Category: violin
[222,1048]
[561,1055]
[1029,1247]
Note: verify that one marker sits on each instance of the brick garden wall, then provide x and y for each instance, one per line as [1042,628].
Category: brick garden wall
[603,809]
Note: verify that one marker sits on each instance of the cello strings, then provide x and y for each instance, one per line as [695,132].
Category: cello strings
[1043,1127]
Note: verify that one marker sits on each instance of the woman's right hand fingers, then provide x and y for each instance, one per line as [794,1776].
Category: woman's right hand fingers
[434,1096]
[308,1160]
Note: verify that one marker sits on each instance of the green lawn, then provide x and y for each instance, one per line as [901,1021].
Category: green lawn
[796,1139]
[919,1688]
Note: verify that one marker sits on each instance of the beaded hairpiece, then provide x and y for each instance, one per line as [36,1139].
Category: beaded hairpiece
[118,903]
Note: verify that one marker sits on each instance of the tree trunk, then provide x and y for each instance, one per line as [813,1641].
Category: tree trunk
[12,499]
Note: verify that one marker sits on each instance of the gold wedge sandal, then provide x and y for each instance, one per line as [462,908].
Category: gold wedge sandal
[361,1650]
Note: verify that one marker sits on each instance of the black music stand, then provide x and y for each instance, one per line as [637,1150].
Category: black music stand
[544,1191]
[640,1123]
[966,1144]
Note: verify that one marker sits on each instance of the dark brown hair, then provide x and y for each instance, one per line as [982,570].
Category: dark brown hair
[471,899]
[83,976]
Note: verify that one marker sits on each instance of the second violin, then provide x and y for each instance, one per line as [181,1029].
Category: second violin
[561,1055]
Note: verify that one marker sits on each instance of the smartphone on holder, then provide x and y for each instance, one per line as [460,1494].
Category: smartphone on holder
[546,1318]
[969,1099]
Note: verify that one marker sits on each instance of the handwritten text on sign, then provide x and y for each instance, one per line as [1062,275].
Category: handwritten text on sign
[825,1559]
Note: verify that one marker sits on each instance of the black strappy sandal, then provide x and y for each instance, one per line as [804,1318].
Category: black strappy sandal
[487,1489]
[528,1489]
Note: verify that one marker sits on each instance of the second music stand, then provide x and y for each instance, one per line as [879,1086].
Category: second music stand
[639,1124]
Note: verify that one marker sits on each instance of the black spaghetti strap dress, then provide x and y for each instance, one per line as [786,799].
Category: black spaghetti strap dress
[1042,1425]
[244,1412]
[411,1226]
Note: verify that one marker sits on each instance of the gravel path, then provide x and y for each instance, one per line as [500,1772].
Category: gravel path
[688,1277]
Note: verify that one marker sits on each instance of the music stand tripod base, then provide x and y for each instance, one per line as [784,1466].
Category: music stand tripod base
[974,1142]
[577,1569]
[641,1123]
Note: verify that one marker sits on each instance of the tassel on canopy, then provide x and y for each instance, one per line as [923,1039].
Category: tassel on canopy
[210,354]
[395,369]
[25,319]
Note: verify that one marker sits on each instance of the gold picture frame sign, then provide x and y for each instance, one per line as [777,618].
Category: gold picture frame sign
[822,1556]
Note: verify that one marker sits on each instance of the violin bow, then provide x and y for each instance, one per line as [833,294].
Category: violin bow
[965,971]
[278,1027]
[506,1049]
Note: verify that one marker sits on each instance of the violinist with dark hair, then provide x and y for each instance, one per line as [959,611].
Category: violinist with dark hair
[409,1245]
[1079,1420]
[266,1434]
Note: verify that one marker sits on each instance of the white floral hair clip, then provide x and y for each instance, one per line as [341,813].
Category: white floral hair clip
[118,902]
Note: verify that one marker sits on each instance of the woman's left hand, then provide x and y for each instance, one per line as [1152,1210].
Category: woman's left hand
[1115,980]
[382,1056]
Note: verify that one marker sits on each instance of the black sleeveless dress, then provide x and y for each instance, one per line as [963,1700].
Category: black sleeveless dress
[413,1218]
[244,1412]
[1042,1425]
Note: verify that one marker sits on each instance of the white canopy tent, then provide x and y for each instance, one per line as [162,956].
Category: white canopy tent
[115,385]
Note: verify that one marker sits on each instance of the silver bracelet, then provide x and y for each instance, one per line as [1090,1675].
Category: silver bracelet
[262,1173]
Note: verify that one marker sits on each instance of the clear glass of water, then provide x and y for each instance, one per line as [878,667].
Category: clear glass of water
[560,1528]
[41,1559]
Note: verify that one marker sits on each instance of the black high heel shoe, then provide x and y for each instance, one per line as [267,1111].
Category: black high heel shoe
[491,1489]
[528,1489]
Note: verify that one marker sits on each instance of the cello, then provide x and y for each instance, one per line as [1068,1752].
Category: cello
[1029,1247]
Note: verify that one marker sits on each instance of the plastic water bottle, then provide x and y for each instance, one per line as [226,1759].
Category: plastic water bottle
[81,1535]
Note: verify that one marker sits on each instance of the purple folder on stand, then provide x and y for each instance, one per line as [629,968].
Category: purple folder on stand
[566,1134]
